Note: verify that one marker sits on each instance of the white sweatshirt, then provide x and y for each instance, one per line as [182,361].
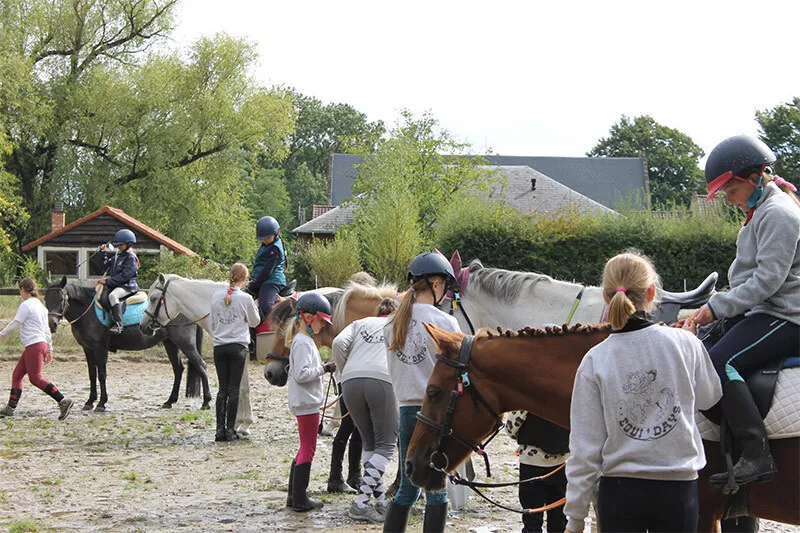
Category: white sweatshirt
[231,323]
[305,376]
[633,412]
[411,367]
[360,352]
[31,320]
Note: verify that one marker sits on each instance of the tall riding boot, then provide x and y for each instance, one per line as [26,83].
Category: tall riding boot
[354,463]
[435,518]
[116,318]
[300,500]
[230,423]
[335,480]
[13,399]
[222,401]
[755,462]
[396,518]
[289,498]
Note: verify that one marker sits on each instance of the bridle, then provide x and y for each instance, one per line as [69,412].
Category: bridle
[161,301]
[438,459]
[65,305]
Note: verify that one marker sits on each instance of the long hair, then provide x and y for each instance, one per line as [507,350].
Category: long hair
[626,279]
[29,286]
[402,317]
[237,274]
[291,331]
[771,177]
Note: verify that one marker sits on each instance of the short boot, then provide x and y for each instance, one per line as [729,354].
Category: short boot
[13,399]
[354,466]
[116,319]
[336,482]
[300,500]
[396,518]
[7,411]
[289,498]
[755,464]
[65,405]
[435,518]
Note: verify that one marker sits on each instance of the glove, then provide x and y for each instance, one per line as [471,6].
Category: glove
[329,366]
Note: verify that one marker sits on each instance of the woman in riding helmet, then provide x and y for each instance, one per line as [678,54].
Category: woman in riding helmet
[122,266]
[411,359]
[269,266]
[305,391]
[764,295]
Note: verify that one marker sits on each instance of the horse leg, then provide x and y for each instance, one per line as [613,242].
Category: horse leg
[102,359]
[177,371]
[92,365]
[197,367]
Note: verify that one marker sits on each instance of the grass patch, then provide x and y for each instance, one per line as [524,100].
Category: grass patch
[130,476]
[168,430]
[25,525]
[190,416]
[52,482]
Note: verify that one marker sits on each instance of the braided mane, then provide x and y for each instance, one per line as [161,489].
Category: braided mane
[549,331]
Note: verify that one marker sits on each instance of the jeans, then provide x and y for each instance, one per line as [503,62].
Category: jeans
[407,494]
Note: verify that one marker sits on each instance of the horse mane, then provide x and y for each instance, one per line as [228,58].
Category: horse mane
[502,284]
[549,331]
[281,312]
[360,287]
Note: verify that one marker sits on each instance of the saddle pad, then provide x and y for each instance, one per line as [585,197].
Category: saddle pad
[132,315]
[783,419]
[139,297]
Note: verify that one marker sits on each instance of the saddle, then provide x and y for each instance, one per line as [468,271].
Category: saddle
[672,302]
[133,306]
[287,291]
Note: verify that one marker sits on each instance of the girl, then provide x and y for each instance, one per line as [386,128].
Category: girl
[31,320]
[764,300]
[360,353]
[635,430]
[305,392]
[123,268]
[269,265]
[411,360]
[233,313]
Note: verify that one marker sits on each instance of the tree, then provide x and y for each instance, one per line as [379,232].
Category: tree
[100,112]
[267,195]
[672,157]
[305,189]
[780,129]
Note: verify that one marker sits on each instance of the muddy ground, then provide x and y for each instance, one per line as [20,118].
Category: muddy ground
[141,468]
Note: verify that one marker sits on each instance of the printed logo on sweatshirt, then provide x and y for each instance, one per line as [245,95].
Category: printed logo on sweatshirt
[226,314]
[644,413]
[375,337]
[416,351]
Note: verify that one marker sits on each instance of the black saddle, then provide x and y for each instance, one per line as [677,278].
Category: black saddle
[672,302]
[288,289]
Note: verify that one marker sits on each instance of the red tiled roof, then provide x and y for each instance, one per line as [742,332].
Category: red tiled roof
[317,210]
[123,217]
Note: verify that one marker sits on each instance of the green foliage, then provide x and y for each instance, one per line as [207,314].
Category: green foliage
[780,127]
[182,265]
[25,525]
[672,157]
[266,194]
[575,247]
[305,188]
[333,262]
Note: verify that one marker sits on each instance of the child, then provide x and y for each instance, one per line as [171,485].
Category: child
[305,392]
[269,265]
[31,320]
[233,313]
[633,417]
[122,267]
[411,360]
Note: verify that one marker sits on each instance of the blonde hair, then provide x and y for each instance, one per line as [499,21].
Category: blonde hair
[402,317]
[627,278]
[237,274]
[29,286]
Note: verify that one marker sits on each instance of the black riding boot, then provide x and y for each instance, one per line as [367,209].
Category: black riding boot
[354,463]
[221,412]
[289,498]
[396,518]
[435,518]
[230,424]
[335,480]
[755,462]
[300,500]
[116,319]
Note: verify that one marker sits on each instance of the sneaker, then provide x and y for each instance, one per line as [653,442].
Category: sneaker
[66,407]
[7,411]
[381,507]
[366,514]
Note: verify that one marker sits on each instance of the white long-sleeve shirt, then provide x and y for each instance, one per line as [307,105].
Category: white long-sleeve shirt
[231,323]
[633,412]
[31,320]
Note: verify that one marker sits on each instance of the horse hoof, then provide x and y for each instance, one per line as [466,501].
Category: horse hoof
[205,407]
[100,408]
[88,406]
[167,405]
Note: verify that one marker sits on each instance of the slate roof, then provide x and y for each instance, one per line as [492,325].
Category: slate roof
[328,222]
[606,180]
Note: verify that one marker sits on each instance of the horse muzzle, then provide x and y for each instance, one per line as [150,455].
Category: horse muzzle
[275,372]
[429,474]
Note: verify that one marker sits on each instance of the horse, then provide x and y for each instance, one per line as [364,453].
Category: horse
[75,302]
[502,378]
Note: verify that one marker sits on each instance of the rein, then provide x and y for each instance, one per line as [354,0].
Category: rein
[61,314]
[163,301]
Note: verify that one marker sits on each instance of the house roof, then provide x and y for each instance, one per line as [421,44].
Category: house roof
[549,196]
[606,180]
[123,217]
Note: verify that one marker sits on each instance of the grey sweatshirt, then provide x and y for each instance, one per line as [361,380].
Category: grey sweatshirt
[359,350]
[231,323]
[765,276]
[305,376]
[633,412]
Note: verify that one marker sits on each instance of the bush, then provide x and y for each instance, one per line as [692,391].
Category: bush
[183,265]
[332,263]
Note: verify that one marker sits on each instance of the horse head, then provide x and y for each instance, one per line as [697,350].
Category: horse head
[57,301]
[155,316]
[277,359]
[455,417]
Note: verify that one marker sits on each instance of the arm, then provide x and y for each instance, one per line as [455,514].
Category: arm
[303,366]
[253,317]
[342,345]
[269,265]
[707,388]
[586,441]
[514,421]
[19,318]
[127,271]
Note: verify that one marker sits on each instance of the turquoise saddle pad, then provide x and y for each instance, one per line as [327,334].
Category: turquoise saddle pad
[133,314]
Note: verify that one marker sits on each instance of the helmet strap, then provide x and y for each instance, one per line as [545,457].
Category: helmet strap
[307,323]
[757,193]
[436,302]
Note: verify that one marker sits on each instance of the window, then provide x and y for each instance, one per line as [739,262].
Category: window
[61,263]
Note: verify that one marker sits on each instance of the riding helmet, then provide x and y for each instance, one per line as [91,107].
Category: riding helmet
[431,264]
[316,304]
[123,236]
[266,227]
[733,157]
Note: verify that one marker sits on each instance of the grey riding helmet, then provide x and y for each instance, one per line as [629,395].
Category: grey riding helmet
[733,157]
[123,236]
[316,304]
[431,264]
[266,227]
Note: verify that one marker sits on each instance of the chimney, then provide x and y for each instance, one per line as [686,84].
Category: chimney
[533,184]
[58,218]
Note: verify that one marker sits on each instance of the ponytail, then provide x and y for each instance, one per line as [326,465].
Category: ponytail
[402,317]
[785,186]
[627,278]
[237,274]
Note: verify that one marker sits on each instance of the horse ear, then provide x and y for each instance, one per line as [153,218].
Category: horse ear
[455,262]
[161,279]
[449,342]
[63,282]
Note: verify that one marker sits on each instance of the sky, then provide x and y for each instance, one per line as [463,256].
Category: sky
[535,78]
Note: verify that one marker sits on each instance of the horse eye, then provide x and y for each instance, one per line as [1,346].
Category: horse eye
[433,392]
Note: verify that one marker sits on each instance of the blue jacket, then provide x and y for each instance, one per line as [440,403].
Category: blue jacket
[122,268]
[268,266]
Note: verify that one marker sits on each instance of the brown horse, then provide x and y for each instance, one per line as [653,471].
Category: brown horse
[534,370]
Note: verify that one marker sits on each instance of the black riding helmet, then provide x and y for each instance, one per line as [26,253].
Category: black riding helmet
[733,157]
[431,264]
[316,304]
[266,227]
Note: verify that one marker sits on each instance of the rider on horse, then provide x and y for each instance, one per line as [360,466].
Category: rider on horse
[122,266]
[269,265]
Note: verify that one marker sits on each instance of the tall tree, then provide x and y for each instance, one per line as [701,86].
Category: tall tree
[672,157]
[780,129]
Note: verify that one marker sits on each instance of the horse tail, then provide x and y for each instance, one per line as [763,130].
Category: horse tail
[194,375]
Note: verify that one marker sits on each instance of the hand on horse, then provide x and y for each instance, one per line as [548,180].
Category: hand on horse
[329,366]
[703,316]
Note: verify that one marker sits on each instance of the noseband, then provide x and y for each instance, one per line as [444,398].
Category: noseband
[438,459]
[161,301]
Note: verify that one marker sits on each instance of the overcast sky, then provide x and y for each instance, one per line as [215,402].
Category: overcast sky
[537,78]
